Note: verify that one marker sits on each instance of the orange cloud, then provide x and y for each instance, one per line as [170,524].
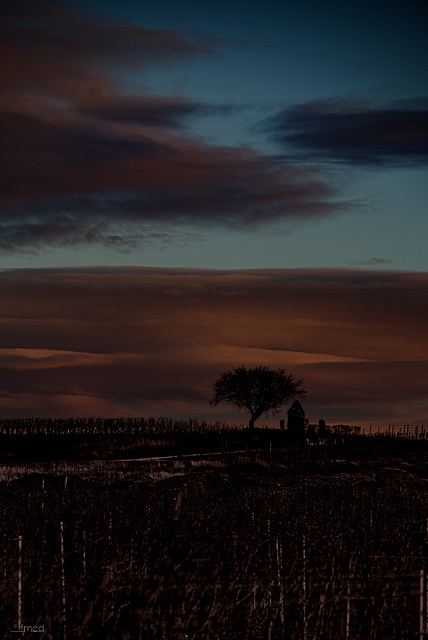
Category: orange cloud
[131,340]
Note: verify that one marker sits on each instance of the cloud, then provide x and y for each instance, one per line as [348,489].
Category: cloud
[57,50]
[371,262]
[152,111]
[346,131]
[85,162]
[126,340]
[64,176]
[75,230]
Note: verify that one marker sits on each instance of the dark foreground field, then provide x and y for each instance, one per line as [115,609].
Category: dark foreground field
[223,547]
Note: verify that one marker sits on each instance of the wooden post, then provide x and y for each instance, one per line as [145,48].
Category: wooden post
[64,612]
[84,553]
[4,547]
[304,586]
[19,582]
[426,606]
[348,603]
[110,527]
[280,585]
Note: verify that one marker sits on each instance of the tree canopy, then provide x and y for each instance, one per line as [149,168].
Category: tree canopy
[260,390]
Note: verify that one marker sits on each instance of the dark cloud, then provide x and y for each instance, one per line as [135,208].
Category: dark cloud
[371,262]
[69,231]
[152,111]
[356,132]
[58,50]
[119,340]
[85,162]
[70,182]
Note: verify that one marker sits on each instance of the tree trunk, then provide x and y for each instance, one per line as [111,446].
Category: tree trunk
[251,423]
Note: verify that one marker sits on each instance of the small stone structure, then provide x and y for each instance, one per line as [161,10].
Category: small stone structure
[296,420]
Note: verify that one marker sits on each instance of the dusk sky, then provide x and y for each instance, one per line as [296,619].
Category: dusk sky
[189,187]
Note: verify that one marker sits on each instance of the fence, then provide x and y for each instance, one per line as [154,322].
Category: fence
[398,431]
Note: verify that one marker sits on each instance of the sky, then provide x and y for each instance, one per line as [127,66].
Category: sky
[189,187]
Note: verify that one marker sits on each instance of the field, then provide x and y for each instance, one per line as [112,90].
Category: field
[288,542]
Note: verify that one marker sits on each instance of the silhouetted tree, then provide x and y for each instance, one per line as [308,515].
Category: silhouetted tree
[259,390]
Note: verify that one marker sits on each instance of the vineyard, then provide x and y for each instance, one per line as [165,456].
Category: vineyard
[167,426]
[243,547]
[81,439]
[103,438]
[107,426]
